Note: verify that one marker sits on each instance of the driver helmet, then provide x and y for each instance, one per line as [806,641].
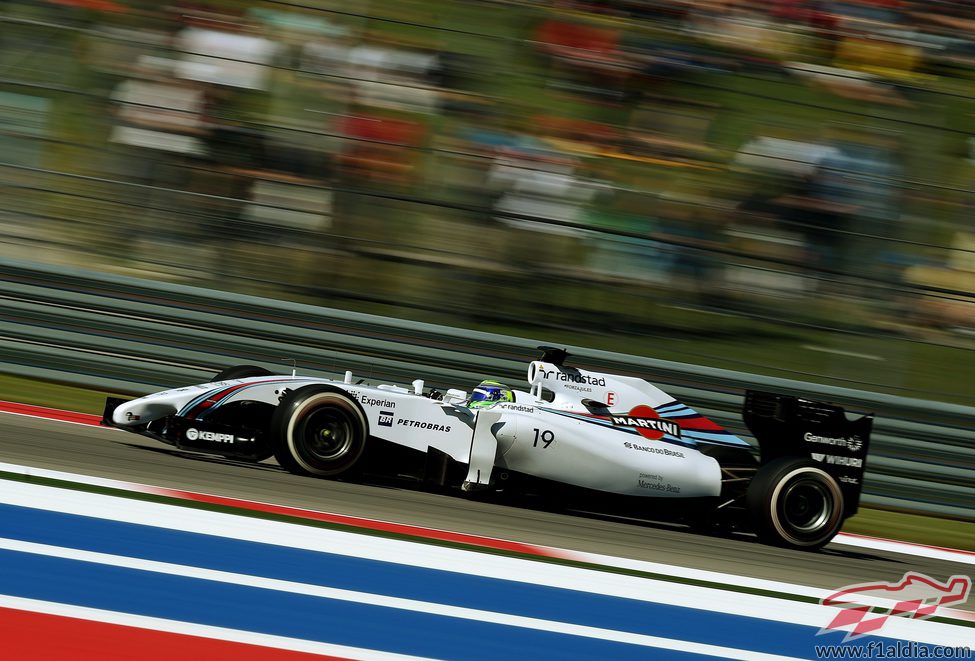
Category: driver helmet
[489,393]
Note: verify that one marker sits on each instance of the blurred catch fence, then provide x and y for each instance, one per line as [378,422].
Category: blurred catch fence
[132,335]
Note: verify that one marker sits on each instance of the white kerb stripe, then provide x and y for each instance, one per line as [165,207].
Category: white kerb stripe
[891,546]
[411,605]
[442,558]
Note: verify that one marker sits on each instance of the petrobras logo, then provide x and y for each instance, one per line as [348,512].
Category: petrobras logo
[216,437]
[422,424]
[385,418]
[853,443]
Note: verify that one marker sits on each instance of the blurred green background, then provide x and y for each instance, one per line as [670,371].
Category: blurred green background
[782,188]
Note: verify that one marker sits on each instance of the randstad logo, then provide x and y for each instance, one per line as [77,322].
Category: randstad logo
[866,607]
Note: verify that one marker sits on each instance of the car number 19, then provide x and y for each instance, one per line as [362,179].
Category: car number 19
[546,437]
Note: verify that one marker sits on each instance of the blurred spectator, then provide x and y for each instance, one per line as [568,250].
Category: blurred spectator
[547,127]
[748,28]
[380,150]
[329,56]
[580,137]
[157,111]
[783,156]
[886,57]
[861,175]
[585,58]
[848,83]
[949,306]
[536,183]
[159,136]
[224,50]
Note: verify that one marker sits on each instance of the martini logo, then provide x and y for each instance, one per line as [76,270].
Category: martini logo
[647,423]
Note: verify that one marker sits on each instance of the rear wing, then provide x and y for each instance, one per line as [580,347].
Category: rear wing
[787,426]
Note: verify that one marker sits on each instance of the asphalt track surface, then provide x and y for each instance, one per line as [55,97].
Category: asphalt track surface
[115,454]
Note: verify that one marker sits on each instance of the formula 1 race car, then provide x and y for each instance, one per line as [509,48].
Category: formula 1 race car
[589,440]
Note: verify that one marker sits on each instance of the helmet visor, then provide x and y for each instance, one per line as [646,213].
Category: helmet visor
[486,394]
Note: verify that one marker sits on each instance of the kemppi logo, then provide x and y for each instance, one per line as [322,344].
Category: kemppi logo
[216,437]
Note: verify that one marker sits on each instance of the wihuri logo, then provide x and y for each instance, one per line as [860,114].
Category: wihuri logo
[865,607]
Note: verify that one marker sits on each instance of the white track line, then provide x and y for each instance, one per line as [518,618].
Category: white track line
[411,605]
[860,541]
[906,548]
[462,561]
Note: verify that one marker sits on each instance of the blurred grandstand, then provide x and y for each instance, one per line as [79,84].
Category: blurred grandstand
[782,187]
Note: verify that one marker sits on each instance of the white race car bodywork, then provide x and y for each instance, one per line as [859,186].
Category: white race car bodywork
[609,433]
[597,442]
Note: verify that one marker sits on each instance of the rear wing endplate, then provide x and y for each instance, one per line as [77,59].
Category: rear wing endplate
[788,426]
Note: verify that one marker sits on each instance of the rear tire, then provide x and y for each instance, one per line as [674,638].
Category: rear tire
[795,503]
[240,372]
[319,430]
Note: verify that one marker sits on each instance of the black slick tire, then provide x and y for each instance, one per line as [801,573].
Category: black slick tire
[794,503]
[319,430]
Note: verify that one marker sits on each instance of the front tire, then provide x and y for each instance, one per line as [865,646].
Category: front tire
[795,503]
[319,430]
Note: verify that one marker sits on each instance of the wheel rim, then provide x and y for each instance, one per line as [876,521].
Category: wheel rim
[807,505]
[326,435]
